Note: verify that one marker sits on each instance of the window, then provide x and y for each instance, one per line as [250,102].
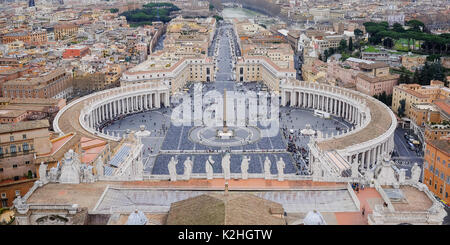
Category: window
[3,195]
[25,147]
[11,138]
[27,162]
[24,136]
[439,159]
[1,170]
[442,176]
[13,149]
[14,165]
[17,192]
[436,172]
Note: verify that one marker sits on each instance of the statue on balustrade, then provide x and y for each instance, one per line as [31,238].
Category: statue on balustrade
[172,169]
[226,165]
[244,167]
[209,167]
[188,168]
[280,167]
[415,173]
[267,165]
[43,173]
[70,171]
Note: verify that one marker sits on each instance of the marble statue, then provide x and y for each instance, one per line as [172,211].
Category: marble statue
[20,205]
[415,173]
[99,166]
[86,174]
[188,168]
[317,171]
[385,173]
[209,168]
[402,176]
[267,165]
[244,167]
[172,169]
[70,171]
[280,168]
[53,174]
[226,166]
[43,173]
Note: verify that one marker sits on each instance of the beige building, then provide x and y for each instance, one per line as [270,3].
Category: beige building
[65,30]
[416,94]
[19,143]
[375,79]
[49,84]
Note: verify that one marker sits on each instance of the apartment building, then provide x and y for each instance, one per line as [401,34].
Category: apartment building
[28,37]
[19,143]
[375,79]
[50,84]
[437,167]
[417,94]
[62,31]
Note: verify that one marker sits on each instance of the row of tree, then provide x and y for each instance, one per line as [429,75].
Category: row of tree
[151,12]
[383,97]
[431,43]
[430,71]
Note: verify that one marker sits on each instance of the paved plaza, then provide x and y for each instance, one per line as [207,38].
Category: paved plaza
[168,140]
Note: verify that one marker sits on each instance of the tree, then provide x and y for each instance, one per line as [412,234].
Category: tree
[388,43]
[342,45]
[358,33]
[397,27]
[350,44]
[415,25]
[404,78]
[114,10]
[401,108]
[30,174]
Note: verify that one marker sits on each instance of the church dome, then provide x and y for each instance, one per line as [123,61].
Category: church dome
[137,218]
[314,218]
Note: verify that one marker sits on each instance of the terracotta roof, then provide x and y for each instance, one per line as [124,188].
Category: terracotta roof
[442,145]
[373,65]
[443,105]
[372,79]
[220,209]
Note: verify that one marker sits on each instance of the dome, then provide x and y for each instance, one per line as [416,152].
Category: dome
[137,218]
[314,218]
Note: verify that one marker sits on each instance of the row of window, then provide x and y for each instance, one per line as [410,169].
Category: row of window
[15,166]
[440,188]
[14,149]
[438,173]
